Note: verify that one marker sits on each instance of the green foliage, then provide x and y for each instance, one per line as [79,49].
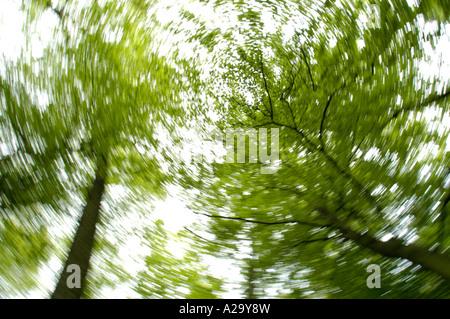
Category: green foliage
[362,133]
[100,89]
[170,276]
[350,105]
[22,252]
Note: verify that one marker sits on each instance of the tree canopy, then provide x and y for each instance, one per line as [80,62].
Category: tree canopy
[103,123]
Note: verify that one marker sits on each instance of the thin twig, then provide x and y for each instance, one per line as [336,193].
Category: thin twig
[324,115]
[267,89]
[283,222]
[309,69]
[203,238]
[308,241]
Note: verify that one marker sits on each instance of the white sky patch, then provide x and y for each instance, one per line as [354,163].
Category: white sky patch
[11,21]
[437,60]
[43,35]
[372,154]
[387,237]
[174,214]
[227,270]
[129,249]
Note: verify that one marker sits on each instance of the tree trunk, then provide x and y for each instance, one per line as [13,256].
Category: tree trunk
[430,260]
[81,250]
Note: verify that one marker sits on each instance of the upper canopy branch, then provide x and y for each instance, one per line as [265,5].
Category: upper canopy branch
[266,88]
[432,98]
[313,147]
[283,222]
[309,69]
[324,115]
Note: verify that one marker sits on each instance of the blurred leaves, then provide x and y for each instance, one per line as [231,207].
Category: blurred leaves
[171,276]
[363,132]
[351,105]
[22,251]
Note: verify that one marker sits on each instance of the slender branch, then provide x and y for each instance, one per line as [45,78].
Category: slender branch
[283,222]
[204,239]
[267,89]
[357,148]
[288,91]
[325,112]
[59,12]
[308,241]
[324,115]
[309,69]
[283,99]
[261,110]
[430,99]
[359,145]
[315,148]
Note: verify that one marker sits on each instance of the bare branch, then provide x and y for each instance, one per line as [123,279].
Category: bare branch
[313,147]
[430,99]
[308,241]
[267,89]
[204,239]
[283,222]
[324,115]
[309,69]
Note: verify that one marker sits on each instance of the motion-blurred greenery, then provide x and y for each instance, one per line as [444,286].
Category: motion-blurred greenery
[92,132]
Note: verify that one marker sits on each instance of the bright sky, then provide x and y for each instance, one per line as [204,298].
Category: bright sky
[172,211]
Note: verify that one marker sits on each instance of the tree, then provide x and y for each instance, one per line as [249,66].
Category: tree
[106,93]
[363,161]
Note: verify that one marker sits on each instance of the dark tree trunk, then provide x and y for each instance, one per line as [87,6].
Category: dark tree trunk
[430,260]
[81,250]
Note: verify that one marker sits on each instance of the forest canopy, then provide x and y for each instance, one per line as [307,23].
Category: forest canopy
[213,149]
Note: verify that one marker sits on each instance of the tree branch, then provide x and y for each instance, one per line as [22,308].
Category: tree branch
[430,99]
[309,69]
[204,239]
[308,241]
[315,148]
[293,221]
[267,89]
[324,115]
[431,260]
